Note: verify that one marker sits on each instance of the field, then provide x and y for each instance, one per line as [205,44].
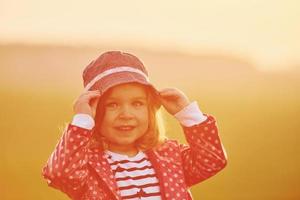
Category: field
[257,112]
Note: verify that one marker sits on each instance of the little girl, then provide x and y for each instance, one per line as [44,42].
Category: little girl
[115,148]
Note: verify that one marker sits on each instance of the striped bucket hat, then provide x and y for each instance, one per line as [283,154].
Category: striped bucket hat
[113,68]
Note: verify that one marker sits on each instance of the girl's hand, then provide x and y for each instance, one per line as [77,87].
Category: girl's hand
[86,103]
[173,100]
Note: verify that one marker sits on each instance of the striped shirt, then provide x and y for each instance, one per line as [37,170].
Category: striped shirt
[135,176]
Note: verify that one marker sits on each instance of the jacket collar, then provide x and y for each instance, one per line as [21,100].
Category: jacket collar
[157,165]
[98,160]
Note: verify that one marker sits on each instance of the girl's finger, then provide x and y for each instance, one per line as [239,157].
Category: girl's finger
[169,98]
[90,94]
[169,94]
[94,95]
[167,91]
[165,95]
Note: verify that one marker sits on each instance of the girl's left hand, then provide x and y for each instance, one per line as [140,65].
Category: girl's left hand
[173,100]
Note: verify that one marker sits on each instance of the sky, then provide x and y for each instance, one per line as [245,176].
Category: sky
[266,32]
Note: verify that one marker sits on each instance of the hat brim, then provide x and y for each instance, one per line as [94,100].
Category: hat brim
[119,78]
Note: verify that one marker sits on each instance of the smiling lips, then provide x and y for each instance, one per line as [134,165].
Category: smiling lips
[125,128]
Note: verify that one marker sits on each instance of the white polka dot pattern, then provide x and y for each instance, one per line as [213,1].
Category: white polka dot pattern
[205,155]
[85,174]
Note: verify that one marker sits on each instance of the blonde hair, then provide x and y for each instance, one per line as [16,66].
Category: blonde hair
[152,138]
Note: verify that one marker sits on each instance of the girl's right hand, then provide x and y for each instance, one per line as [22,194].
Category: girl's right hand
[86,103]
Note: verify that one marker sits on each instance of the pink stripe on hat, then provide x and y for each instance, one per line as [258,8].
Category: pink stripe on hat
[112,71]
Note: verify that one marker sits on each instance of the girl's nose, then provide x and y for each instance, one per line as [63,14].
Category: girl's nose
[126,113]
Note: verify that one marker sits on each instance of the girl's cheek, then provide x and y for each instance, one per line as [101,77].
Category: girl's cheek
[110,116]
[143,113]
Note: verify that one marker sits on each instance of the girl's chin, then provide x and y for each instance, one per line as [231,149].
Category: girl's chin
[122,148]
[125,143]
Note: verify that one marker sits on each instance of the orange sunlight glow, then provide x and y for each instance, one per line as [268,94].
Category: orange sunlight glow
[266,31]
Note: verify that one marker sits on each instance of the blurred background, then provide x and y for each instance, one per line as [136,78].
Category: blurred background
[239,59]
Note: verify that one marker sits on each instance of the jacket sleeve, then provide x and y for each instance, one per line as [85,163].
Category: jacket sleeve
[66,168]
[205,155]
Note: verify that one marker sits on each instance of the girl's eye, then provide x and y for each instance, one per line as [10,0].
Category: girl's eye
[138,103]
[112,105]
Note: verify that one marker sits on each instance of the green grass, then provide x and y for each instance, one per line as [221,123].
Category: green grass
[259,127]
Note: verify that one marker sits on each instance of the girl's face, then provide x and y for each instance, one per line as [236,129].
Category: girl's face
[126,117]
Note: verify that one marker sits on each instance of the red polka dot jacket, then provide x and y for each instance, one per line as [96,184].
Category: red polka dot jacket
[85,174]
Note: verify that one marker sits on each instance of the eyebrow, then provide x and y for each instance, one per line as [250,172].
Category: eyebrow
[140,98]
[114,98]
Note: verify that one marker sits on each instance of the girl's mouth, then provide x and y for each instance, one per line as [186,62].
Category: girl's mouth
[125,128]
